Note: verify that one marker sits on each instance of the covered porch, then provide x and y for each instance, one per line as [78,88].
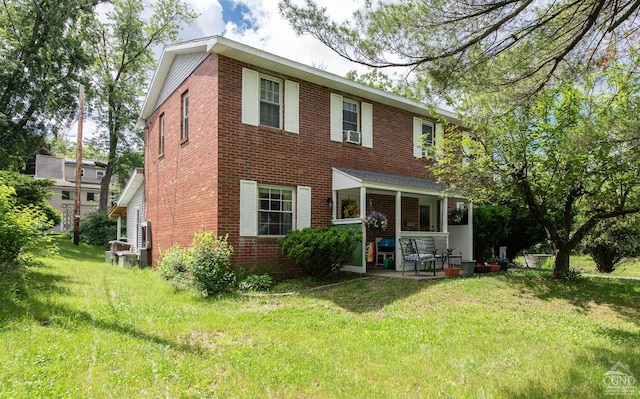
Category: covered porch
[414,208]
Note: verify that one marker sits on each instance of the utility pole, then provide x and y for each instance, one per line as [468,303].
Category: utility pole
[76,221]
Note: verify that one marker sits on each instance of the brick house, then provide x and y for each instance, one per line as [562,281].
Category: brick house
[242,142]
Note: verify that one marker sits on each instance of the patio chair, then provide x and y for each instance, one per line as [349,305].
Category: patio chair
[411,254]
[445,254]
[429,254]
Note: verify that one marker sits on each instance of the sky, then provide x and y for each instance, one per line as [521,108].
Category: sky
[257,23]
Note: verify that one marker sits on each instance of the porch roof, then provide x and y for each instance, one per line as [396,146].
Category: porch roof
[353,178]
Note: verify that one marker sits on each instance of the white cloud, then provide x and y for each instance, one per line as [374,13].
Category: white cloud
[265,29]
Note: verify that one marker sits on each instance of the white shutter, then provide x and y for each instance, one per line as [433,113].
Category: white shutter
[304,207]
[417,134]
[336,117]
[367,125]
[439,135]
[250,97]
[248,208]
[291,106]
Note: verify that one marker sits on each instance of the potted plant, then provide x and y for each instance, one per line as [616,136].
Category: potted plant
[376,221]
[452,271]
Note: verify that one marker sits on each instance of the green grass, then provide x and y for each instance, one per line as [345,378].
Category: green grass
[584,264]
[75,327]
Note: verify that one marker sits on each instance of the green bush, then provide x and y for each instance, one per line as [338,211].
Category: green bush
[210,261]
[204,267]
[613,240]
[32,192]
[22,230]
[174,267]
[97,229]
[319,251]
[257,282]
[490,228]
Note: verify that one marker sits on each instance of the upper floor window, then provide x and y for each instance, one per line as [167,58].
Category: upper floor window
[99,174]
[82,172]
[161,135]
[270,102]
[350,115]
[351,121]
[185,116]
[93,196]
[68,195]
[427,133]
[425,137]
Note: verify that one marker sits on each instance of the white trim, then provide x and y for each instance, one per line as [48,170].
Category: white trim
[336,117]
[291,106]
[303,207]
[248,208]
[367,124]
[250,97]
[417,135]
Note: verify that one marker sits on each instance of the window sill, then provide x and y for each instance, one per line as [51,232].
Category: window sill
[184,142]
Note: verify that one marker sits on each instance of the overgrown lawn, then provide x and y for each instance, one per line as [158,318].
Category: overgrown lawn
[76,327]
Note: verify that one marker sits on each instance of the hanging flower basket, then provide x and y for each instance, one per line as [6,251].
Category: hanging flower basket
[376,221]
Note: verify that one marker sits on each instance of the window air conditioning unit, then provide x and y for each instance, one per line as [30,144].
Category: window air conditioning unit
[351,136]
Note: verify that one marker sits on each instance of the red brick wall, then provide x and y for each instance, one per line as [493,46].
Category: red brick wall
[198,183]
[181,186]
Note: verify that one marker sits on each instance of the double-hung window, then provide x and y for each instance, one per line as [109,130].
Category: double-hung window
[185,116]
[99,174]
[351,121]
[349,116]
[425,137]
[267,210]
[270,102]
[275,211]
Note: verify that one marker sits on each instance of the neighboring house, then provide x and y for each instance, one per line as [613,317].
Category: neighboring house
[242,142]
[130,207]
[63,172]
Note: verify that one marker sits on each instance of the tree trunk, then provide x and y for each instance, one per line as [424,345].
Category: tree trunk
[562,261]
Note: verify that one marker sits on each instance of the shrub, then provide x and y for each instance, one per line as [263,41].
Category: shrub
[22,230]
[31,192]
[257,282]
[319,251]
[174,267]
[204,267]
[613,240]
[490,227]
[210,263]
[97,229]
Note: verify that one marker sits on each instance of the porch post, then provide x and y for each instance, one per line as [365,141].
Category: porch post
[443,212]
[363,214]
[118,227]
[470,229]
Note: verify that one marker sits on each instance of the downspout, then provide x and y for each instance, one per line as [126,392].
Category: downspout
[470,230]
[398,229]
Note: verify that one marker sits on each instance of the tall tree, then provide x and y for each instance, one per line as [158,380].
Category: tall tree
[122,41]
[572,154]
[448,40]
[41,60]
